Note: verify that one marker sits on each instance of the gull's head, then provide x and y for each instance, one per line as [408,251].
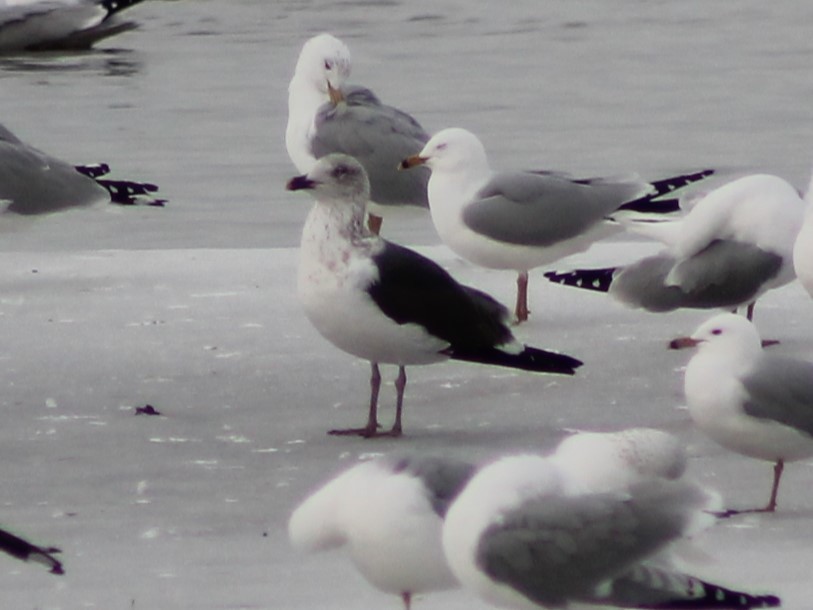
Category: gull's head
[335,178]
[450,150]
[324,64]
[726,333]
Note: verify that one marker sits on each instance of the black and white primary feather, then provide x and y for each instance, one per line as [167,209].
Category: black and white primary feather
[388,304]
[25,551]
[47,25]
[33,182]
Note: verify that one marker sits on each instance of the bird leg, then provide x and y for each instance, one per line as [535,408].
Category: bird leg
[371,429]
[400,386]
[770,507]
[374,223]
[777,474]
[521,311]
[406,596]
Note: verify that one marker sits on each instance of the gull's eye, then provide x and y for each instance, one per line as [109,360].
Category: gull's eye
[717,331]
[328,65]
[340,171]
[441,146]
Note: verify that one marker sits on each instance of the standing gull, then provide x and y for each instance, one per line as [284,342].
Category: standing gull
[750,401]
[33,182]
[388,513]
[388,304]
[45,25]
[520,535]
[522,220]
[325,116]
[733,245]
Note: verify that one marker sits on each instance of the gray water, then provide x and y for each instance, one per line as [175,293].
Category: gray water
[196,100]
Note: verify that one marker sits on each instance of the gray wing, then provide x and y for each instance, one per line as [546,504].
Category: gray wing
[781,389]
[443,478]
[559,548]
[36,183]
[725,274]
[380,137]
[535,209]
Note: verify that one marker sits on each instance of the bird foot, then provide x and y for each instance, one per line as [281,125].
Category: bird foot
[366,432]
[733,512]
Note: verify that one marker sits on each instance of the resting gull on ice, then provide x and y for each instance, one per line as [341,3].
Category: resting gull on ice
[34,182]
[42,25]
[522,220]
[520,535]
[733,245]
[326,116]
[388,513]
[756,403]
[388,304]
[25,551]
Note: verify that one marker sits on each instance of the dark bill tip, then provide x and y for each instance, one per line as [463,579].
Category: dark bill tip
[683,343]
[300,183]
[412,161]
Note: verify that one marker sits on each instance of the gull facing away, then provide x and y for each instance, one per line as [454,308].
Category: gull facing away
[607,461]
[25,551]
[388,513]
[387,304]
[523,220]
[47,25]
[326,116]
[33,182]
[521,535]
[750,401]
[734,244]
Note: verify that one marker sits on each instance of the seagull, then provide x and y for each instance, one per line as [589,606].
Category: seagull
[522,220]
[388,304]
[734,244]
[520,535]
[33,182]
[25,551]
[46,25]
[326,116]
[388,513]
[610,461]
[750,401]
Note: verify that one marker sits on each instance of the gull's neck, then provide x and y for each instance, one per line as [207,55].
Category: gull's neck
[337,220]
[304,99]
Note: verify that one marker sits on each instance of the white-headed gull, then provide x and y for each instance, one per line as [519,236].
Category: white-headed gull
[520,536]
[523,220]
[41,25]
[326,116]
[751,401]
[733,244]
[33,182]
[25,551]
[606,461]
[388,304]
[388,513]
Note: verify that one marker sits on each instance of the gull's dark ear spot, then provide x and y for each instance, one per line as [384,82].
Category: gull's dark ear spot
[342,171]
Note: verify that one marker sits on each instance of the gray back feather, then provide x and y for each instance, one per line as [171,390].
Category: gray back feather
[443,478]
[552,549]
[725,274]
[781,390]
[535,209]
